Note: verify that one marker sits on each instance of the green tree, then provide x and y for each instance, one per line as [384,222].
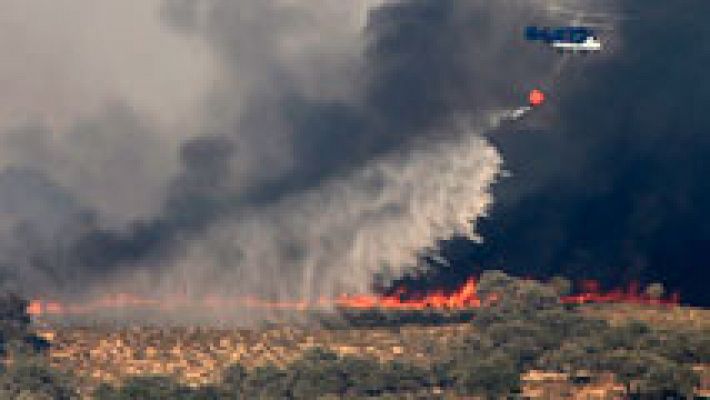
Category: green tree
[648,374]
[690,347]
[14,320]
[667,379]
[234,379]
[31,377]
[267,382]
[628,336]
[404,378]
[493,285]
[493,374]
[655,291]
[562,285]
[317,374]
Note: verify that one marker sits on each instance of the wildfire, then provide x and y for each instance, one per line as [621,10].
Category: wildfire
[464,297]
[591,293]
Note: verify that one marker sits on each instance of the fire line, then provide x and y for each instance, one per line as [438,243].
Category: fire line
[464,297]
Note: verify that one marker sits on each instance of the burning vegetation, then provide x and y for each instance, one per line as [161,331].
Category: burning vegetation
[520,339]
[400,298]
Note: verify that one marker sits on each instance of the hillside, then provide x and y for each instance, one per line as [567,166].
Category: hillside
[197,357]
[525,342]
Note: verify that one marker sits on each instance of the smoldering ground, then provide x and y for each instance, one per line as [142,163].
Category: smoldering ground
[323,152]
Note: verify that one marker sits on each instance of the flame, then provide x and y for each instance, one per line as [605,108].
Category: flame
[34,307]
[592,293]
[464,297]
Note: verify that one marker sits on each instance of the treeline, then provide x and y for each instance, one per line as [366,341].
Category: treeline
[524,327]
[527,327]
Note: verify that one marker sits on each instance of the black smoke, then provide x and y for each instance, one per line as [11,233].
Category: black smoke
[617,189]
[611,187]
[424,63]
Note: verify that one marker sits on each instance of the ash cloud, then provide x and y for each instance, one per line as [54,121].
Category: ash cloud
[323,152]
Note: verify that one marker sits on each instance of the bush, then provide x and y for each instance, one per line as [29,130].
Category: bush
[268,382]
[526,326]
[684,347]
[32,378]
[15,332]
[322,373]
[14,321]
[156,387]
[492,374]
[650,375]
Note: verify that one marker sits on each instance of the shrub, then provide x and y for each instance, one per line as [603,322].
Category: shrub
[492,374]
[155,387]
[322,373]
[31,377]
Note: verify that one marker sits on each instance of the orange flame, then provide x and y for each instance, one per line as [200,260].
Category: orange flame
[591,293]
[464,297]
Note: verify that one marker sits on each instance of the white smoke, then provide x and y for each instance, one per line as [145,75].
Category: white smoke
[98,95]
[334,239]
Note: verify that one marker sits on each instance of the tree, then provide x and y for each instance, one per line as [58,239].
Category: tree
[667,379]
[492,375]
[649,375]
[14,320]
[493,285]
[579,354]
[629,336]
[692,347]
[655,291]
[234,378]
[267,382]
[509,299]
[31,378]
[404,378]
[562,285]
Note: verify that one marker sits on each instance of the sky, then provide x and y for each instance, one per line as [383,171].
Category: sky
[302,149]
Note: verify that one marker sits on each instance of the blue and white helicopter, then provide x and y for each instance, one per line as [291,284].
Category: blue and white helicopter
[568,39]
[579,35]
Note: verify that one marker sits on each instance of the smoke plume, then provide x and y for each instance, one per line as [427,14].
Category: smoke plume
[615,187]
[320,148]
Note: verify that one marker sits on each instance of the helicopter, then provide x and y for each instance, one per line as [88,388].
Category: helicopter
[574,39]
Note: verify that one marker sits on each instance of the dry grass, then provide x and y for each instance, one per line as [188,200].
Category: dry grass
[198,356]
[686,318]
